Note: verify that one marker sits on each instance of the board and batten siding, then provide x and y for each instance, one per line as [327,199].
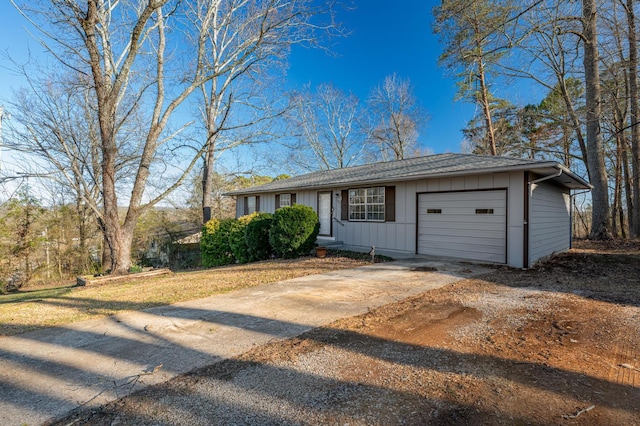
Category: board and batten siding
[549,221]
[513,182]
[400,236]
[268,201]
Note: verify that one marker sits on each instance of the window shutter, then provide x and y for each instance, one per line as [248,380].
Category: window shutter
[257,203]
[344,206]
[277,201]
[293,199]
[390,204]
[245,210]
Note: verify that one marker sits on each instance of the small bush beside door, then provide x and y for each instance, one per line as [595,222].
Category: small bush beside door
[294,231]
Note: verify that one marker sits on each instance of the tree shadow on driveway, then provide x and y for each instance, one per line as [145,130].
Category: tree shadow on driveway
[241,390]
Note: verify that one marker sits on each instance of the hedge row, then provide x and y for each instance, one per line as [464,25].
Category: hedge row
[288,233]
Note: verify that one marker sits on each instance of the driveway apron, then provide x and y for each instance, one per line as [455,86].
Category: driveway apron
[47,373]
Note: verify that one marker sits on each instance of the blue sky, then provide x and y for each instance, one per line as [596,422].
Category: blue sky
[386,37]
[390,37]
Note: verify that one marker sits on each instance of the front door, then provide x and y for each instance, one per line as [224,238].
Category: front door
[324,213]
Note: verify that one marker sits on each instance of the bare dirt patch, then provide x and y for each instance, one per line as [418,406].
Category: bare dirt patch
[559,344]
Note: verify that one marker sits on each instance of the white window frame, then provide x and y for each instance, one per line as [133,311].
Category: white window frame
[367,204]
[285,200]
[251,204]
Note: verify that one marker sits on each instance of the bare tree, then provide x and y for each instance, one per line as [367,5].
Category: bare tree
[557,30]
[397,119]
[245,42]
[601,219]
[548,55]
[326,132]
[634,116]
[55,125]
[144,56]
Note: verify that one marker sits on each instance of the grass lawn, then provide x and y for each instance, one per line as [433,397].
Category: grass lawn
[35,308]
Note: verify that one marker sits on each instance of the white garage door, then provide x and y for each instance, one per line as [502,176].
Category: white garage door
[468,225]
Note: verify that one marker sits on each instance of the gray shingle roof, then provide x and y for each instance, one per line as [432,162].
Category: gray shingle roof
[438,165]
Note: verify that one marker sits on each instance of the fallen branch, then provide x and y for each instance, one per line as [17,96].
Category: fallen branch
[83,281]
[628,366]
[129,380]
[573,416]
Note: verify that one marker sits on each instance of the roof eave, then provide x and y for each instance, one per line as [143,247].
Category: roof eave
[580,183]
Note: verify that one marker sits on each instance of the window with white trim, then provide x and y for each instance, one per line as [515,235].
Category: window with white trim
[285,200]
[366,204]
[251,205]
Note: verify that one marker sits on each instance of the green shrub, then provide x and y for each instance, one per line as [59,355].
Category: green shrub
[257,236]
[134,269]
[237,238]
[294,231]
[214,243]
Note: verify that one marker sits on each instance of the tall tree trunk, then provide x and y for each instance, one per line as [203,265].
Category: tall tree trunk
[600,212]
[618,213]
[83,255]
[113,230]
[634,213]
[626,174]
[619,119]
[485,102]
[207,181]
[107,101]
[486,108]
[566,143]
[575,121]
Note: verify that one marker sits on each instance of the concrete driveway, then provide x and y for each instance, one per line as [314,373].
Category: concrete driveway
[48,373]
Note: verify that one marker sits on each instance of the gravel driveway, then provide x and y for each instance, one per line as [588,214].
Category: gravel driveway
[48,373]
[540,347]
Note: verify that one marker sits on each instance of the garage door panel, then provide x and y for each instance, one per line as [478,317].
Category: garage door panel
[468,254]
[465,246]
[457,230]
[461,239]
[463,219]
[427,209]
[496,232]
[466,203]
[470,210]
[451,198]
[470,195]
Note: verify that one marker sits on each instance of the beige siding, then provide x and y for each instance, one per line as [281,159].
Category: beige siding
[549,221]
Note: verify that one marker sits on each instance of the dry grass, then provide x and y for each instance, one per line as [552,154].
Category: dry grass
[32,309]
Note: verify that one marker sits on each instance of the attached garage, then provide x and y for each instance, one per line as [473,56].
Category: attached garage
[509,211]
[464,224]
